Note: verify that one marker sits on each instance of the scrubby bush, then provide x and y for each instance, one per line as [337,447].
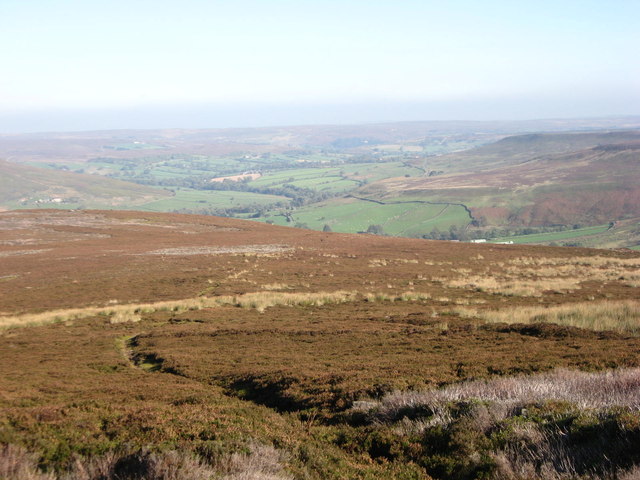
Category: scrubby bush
[256,462]
[560,425]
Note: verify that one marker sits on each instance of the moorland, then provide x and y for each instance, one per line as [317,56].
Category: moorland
[169,346]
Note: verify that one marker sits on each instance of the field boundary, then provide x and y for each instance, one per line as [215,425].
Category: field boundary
[424,202]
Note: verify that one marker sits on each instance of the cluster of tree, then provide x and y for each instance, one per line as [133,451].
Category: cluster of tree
[254,210]
[299,195]
[375,229]
[454,233]
[517,231]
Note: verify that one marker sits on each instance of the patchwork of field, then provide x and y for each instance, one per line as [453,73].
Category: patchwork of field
[306,176]
[335,179]
[514,186]
[321,179]
[347,215]
[136,341]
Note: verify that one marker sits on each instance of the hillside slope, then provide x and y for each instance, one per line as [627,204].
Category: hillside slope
[25,186]
[521,148]
[139,343]
[536,180]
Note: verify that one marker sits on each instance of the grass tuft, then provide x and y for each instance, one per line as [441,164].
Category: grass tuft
[257,300]
[618,316]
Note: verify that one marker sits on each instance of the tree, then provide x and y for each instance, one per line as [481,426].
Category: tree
[375,229]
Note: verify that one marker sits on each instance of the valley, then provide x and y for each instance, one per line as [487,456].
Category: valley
[439,180]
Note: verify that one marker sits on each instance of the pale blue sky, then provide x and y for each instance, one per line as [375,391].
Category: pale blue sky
[85,54]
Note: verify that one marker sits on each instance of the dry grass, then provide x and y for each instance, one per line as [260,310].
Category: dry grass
[377,262]
[512,286]
[614,388]
[556,426]
[383,262]
[536,454]
[13,253]
[531,277]
[618,316]
[257,300]
[131,312]
[206,250]
[258,462]
[17,464]
[262,300]
[276,286]
[170,465]
[595,268]
[404,297]
[595,261]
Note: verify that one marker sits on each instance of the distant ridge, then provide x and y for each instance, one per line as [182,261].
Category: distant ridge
[53,188]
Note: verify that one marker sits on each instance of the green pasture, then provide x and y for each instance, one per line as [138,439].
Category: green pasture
[352,215]
[335,179]
[135,146]
[554,236]
[200,199]
[165,167]
[372,172]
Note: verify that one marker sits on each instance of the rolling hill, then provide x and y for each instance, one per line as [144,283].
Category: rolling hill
[516,149]
[23,186]
[399,178]
[535,180]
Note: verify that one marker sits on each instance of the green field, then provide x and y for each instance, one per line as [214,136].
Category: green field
[134,146]
[352,216]
[320,179]
[164,167]
[327,179]
[554,236]
[336,179]
[204,199]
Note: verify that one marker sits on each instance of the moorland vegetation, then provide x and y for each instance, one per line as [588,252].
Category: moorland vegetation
[166,346]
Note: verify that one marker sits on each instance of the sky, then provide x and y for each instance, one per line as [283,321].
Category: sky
[87,64]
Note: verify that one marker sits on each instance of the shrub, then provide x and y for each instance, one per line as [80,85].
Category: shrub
[17,464]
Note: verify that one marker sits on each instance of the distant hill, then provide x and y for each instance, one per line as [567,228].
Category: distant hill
[26,186]
[535,180]
[79,147]
[520,148]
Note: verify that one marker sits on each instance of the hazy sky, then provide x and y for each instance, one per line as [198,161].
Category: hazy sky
[528,58]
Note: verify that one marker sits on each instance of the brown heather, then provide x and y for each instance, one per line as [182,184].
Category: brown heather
[191,347]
